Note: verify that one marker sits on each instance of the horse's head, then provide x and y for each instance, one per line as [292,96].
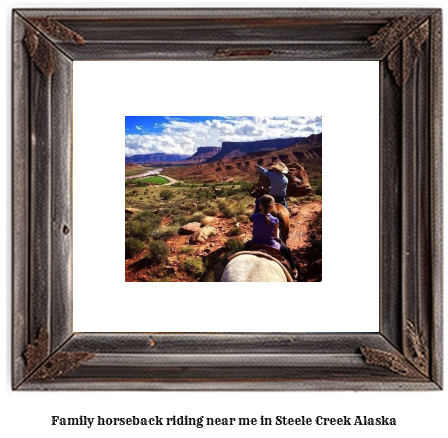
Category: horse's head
[258,192]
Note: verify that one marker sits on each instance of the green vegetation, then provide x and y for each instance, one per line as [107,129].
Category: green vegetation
[207,220]
[186,249]
[235,231]
[193,266]
[211,211]
[139,230]
[152,230]
[166,194]
[235,209]
[316,185]
[163,232]
[132,247]
[195,217]
[158,252]
[154,179]
[234,245]
[141,225]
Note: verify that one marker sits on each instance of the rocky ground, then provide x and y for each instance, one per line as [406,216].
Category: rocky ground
[213,251]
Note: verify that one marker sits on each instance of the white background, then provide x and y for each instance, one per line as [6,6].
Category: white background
[418,414]
[348,101]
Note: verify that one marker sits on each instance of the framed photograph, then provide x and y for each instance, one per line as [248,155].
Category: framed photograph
[193,208]
[67,198]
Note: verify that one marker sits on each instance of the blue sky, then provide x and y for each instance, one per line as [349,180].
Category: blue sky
[184,134]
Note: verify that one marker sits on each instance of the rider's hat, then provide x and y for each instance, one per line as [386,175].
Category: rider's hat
[280,166]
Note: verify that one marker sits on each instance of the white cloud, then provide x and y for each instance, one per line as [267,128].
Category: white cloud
[184,137]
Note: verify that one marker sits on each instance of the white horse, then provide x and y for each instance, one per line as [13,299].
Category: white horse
[250,267]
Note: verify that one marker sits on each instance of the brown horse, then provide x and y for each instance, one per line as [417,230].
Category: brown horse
[279,211]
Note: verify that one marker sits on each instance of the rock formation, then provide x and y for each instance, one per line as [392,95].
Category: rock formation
[202,154]
[298,183]
[202,235]
[231,149]
[190,228]
[155,158]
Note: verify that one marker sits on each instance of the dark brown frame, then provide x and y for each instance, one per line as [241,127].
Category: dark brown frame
[406,354]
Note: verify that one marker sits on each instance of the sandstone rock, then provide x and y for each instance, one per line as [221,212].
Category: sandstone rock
[202,235]
[190,228]
[294,211]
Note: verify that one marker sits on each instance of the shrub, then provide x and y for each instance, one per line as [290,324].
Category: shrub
[164,231]
[246,187]
[146,216]
[166,194]
[235,231]
[222,204]
[240,208]
[211,211]
[242,218]
[207,220]
[204,194]
[186,249]
[235,245]
[196,217]
[132,247]
[158,251]
[193,266]
[142,224]
[180,218]
[138,230]
[229,212]
[209,276]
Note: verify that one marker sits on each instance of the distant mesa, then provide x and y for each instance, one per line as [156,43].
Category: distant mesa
[231,149]
[202,154]
[156,158]
[307,152]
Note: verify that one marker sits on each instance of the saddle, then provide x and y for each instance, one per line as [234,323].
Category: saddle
[274,252]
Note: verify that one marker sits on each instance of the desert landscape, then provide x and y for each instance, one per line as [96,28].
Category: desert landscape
[185,216]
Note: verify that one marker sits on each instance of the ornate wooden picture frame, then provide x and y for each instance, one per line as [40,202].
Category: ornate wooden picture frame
[406,353]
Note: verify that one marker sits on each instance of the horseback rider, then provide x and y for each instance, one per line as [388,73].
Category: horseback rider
[265,228]
[279,183]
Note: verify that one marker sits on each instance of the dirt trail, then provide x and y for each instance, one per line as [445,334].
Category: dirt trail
[171,180]
[299,224]
[136,270]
